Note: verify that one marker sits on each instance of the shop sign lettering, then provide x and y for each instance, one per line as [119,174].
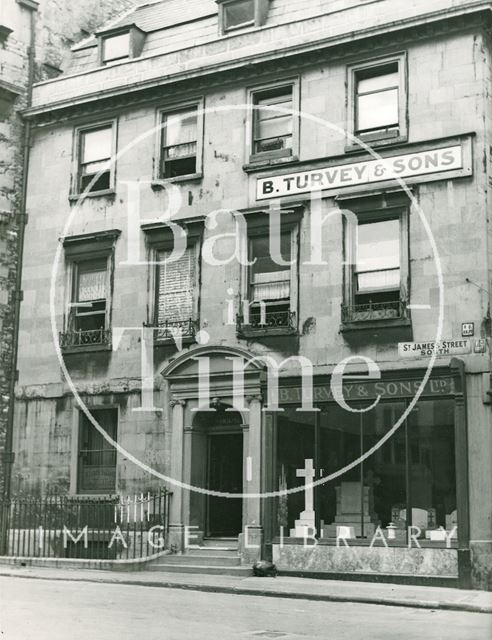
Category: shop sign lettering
[368,390]
[357,173]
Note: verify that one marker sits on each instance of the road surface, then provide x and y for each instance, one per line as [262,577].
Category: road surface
[33,609]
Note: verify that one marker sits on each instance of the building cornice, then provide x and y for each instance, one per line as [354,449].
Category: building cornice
[10,89]
[363,42]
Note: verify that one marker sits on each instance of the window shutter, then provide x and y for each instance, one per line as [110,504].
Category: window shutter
[176,287]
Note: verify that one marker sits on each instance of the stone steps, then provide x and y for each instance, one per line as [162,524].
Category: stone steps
[224,552]
[201,569]
[217,556]
[202,560]
[222,543]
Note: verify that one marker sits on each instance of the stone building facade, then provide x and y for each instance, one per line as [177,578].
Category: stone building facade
[286,114]
[35,41]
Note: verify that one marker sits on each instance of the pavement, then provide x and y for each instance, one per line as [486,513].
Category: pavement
[417,597]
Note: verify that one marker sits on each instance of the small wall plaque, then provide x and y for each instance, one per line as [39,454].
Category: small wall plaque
[468,329]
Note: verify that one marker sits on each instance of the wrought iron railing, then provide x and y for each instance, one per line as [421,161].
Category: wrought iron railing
[374,311]
[77,338]
[175,329]
[123,528]
[271,319]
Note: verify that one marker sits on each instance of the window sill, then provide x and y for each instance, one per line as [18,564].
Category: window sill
[86,348]
[91,194]
[379,142]
[258,163]
[160,183]
[4,32]
[365,325]
[165,342]
[185,333]
[240,27]
[267,332]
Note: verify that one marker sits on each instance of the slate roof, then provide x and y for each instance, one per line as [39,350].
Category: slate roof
[154,16]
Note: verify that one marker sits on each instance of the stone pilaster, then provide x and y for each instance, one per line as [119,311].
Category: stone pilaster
[176,520]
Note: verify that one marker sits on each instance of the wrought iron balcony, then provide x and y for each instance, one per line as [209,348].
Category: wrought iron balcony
[175,329]
[272,322]
[78,339]
[394,310]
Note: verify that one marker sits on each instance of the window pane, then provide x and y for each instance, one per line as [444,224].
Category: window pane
[377,83]
[378,245]
[176,286]
[97,467]
[274,126]
[384,471]
[180,151]
[364,496]
[339,445]
[92,283]
[116,47]
[378,280]
[91,168]
[264,254]
[180,127]
[271,286]
[377,110]
[432,460]
[238,13]
[295,445]
[96,145]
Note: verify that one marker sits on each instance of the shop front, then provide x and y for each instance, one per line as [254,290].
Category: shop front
[389,475]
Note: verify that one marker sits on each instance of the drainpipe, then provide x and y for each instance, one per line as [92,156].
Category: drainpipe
[8,455]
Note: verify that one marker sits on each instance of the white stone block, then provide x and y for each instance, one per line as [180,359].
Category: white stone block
[345,532]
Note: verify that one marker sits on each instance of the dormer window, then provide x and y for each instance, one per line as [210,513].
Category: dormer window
[116,48]
[238,14]
[120,44]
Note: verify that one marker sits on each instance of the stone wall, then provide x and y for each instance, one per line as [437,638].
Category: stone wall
[58,25]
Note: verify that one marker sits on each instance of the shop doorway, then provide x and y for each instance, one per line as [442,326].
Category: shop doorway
[225,474]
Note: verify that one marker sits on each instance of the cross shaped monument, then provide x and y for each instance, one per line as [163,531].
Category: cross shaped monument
[308,474]
[304,527]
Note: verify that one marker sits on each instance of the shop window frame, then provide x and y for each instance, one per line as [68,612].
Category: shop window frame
[460,467]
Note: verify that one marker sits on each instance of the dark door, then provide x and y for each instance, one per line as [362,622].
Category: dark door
[225,472]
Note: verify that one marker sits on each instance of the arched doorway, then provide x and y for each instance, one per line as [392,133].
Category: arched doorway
[217,444]
[221,443]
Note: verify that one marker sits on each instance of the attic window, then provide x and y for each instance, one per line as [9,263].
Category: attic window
[116,47]
[238,14]
[120,43]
